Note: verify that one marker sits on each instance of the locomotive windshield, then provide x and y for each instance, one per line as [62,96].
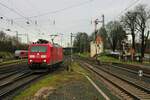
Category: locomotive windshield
[38,49]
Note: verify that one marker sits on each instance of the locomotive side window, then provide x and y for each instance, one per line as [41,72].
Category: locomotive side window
[38,49]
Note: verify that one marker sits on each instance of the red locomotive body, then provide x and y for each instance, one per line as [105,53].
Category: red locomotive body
[41,56]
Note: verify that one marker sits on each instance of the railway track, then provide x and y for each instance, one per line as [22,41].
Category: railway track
[9,85]
[136,68]
[14,81]
[129,70]
[15,77]
[13,62]
[126,71]
[13,68]
[129,90]
[5,75]
[5,81]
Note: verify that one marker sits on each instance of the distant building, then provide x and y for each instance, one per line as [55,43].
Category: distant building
[96,47]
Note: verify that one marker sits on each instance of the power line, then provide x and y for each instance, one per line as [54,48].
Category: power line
[56,11]
[14,22]
[15,31]
[14,11]
[59,10]
[23,17]
[33,6]
[131,5]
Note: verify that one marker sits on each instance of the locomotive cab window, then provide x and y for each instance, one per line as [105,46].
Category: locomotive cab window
[38,49]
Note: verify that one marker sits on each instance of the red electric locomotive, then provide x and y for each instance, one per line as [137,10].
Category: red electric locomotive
[43,56]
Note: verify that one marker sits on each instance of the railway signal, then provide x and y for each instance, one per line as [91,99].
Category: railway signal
[96,21]
[53,37]
[140,74]
[124,49]
[72,35]
[61,37]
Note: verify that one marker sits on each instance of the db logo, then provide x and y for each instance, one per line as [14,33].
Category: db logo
[38,55]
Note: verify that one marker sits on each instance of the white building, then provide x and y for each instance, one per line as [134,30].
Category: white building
[96,47]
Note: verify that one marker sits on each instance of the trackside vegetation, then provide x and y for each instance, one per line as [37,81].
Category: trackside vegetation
[61,80]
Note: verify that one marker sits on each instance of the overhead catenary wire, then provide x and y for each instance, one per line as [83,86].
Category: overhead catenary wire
[60,10]
[14,22]
[16,12]
[12,10]
[128,7]
[56,11]
[8,29]
[63,9]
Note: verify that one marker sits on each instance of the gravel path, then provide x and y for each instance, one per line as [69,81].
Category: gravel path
[76,90]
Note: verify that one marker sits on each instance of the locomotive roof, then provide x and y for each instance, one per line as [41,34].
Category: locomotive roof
[56,45]
[46,44]
[42,44]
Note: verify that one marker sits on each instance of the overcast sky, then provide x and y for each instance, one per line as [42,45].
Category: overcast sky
[47,17]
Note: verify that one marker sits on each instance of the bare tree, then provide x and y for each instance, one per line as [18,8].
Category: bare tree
[103,33]
[2,36]
[115,34]
[142,17]
[9,43]
[81,42]
[129,23]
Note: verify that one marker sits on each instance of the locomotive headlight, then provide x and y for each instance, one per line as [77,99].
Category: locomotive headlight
[30,60]
[43,56]
[44,60]
[31,56]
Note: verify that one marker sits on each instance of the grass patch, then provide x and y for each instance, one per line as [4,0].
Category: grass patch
[85,54]
[109,59]
[6,55]
[147,63]
[78,69]
[55,80]
[60,79]
[105,58]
